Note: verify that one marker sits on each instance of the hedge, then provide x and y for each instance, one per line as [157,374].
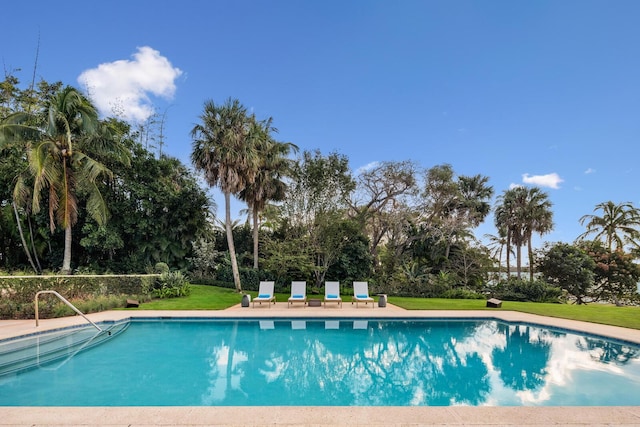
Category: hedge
[17,293]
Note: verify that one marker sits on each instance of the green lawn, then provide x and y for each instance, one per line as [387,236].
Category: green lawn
[215,298]
[628,317]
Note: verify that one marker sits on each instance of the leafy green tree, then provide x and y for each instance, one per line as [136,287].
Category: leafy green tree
[62,157]
[617,226]
[316,205]
[289,258]
[616,273]
[318,184]
[569,268]
[158,211]
[470,264]
[225,153]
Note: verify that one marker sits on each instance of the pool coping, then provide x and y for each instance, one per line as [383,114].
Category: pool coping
[321,416]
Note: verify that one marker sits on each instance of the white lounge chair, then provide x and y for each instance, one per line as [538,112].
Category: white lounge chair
[298,293]
[265,294]
[332,293]
[361,294]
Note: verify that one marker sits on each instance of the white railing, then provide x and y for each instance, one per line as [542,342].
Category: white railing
[64,300]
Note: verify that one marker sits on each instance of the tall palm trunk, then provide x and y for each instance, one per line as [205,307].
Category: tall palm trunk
[519,260]
[66,261]
[24,243]
[232,247]
[530,251]
[508,257]
[33,246]
[255,237]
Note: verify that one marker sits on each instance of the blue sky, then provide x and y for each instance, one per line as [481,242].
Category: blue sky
[526,92]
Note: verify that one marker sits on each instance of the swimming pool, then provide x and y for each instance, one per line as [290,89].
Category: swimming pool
[337,362]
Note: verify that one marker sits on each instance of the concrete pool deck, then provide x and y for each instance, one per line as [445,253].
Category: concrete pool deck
[320,416]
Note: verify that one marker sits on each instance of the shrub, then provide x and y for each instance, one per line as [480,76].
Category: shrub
[524,290]
[462,293]
[172,284]
[161,267]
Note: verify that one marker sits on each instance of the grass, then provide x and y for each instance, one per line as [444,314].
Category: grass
[215,298]
[628,317]
[202,297]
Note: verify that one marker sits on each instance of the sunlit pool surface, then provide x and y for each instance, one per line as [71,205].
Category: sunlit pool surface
[320,363]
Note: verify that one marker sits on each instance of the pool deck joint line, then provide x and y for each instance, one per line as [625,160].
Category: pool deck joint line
[321,416]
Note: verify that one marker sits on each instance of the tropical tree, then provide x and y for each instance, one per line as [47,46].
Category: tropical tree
[616,273]
[453,205]
[224,151]
[63,154]
[570,268]
[521,212]
[496,244]
[618,225]
[268,184]
[538,219]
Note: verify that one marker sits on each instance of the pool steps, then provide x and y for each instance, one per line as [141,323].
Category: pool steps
[43,350]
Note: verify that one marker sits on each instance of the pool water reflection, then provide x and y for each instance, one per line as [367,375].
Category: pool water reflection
[336,363]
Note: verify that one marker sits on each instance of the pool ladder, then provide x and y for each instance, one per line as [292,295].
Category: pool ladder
[64,300]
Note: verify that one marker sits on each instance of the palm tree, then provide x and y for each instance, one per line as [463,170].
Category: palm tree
[496,245]
[505,214]
[63,157]
[268,184]
[521,212]
[538,218]
[223,150]
[618,224]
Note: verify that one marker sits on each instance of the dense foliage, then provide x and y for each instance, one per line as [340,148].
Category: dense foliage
[152,208]
[407,230]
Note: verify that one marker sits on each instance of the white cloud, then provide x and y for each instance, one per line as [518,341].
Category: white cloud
[367,167]
[551,180]
[514,185]
[589,170]
[123,87]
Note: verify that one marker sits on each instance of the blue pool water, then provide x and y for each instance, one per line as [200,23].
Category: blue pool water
[333,362]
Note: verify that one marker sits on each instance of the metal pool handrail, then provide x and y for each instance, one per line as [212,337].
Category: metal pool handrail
[64,300]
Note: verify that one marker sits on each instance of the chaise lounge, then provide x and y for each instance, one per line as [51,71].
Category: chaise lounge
[332,293]
[265,294]
[361,294]
[298,293]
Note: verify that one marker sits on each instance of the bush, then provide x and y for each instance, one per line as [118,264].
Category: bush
[161,267]
[524,290]
[425,286]
[172,284]
[462,293]
[93,305]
